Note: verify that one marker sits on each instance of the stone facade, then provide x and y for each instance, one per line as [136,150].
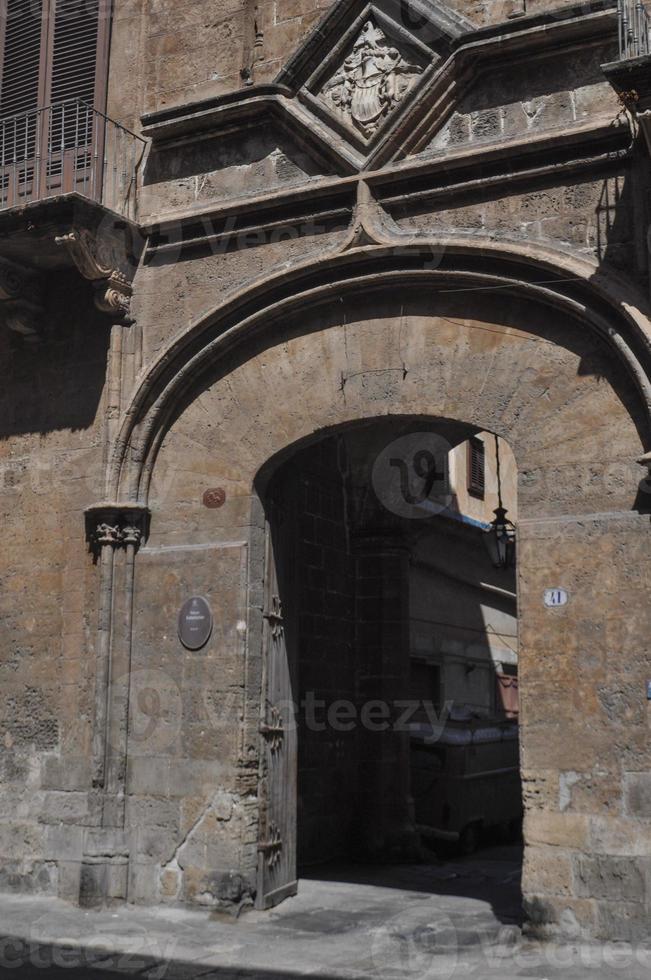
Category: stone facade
[471,257]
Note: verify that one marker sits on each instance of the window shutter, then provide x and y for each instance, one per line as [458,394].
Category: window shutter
[75,49]
[476,468]
[20,86]
[21,80]
[73,75]
[53,50]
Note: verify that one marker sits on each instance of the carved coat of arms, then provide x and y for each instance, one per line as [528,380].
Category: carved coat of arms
[373,79]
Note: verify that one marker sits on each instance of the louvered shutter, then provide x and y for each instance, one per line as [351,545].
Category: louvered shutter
[73,79]
[22,79]
[21,88]
[53,50]
[476,467]
[75,48]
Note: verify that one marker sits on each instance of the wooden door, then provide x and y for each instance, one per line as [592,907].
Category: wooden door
[277,877]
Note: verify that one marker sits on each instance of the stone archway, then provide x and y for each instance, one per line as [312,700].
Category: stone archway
[499,361]
[359,618]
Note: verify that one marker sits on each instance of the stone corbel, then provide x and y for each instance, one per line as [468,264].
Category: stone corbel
[102,260]
[20,299]
[631,79]
[111,525]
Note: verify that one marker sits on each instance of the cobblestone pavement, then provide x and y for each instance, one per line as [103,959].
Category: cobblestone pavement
[448,921]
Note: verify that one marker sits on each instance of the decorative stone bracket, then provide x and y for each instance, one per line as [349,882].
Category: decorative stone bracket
[105,262]
[116,526]
[21,302]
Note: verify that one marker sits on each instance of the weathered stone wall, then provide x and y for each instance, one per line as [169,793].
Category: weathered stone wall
[187,51]
[51,468]
[533,96]
[585,725]
[493,360]
[171,294]
[551,390]
[186,808]
[595,217]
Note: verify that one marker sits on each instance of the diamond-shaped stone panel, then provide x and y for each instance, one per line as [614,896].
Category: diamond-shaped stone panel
[372,81]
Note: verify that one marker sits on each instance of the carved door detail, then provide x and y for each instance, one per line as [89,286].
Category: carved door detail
[277,877]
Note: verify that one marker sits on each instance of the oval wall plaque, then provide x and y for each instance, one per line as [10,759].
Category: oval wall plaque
[555,597]
[195,623]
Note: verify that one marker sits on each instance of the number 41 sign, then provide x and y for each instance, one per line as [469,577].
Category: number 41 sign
[555,597]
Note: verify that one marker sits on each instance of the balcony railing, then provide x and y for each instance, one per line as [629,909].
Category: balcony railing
[69,147]
[633,29]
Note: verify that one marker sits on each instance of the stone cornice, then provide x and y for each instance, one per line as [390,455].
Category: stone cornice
[241,110]
[330,202]
[475,53]
[581,21]
[472,53]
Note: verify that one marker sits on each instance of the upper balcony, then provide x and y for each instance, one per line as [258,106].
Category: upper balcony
[68,197]
[634,29]
[630,75]
[69,148]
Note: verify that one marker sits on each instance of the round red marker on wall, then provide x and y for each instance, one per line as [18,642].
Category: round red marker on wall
[215,498]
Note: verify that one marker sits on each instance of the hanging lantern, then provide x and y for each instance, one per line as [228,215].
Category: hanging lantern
[500,540]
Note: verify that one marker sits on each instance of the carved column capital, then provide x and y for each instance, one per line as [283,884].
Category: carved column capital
[112,525]
[102,259]
[106,534]
[21,304]
[132,534]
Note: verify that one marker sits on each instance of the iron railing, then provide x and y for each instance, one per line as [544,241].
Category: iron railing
[69,147]
[633,29]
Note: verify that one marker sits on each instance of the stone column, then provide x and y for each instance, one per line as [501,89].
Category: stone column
[115,532]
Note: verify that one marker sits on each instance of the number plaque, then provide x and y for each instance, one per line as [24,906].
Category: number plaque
[554,598]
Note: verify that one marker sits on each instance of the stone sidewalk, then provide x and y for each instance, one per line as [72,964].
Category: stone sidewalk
[426,922]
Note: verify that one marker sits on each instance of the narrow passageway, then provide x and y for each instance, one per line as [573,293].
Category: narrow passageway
[398,678]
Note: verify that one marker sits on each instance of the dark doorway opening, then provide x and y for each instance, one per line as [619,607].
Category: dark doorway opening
[401,639]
